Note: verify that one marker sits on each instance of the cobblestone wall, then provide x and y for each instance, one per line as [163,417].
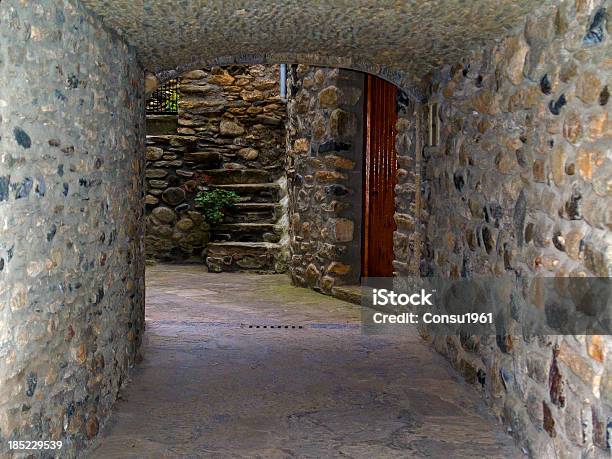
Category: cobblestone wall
[325,148]
[408,237]
[71,264]
[521,183]
[231,131]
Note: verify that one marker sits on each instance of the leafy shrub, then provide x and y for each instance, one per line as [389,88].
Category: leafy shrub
[216,203]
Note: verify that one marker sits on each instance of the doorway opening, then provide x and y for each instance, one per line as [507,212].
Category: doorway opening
[312,176]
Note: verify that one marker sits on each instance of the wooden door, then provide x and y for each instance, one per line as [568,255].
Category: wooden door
[380,168]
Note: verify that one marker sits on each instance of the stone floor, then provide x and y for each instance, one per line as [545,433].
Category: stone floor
[212,386]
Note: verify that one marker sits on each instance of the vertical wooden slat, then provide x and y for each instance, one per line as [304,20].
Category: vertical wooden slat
[379,178]
[367,128]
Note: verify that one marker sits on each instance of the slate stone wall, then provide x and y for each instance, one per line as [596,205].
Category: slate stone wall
[71,253]
[231,131]
[520,184]
[324,174]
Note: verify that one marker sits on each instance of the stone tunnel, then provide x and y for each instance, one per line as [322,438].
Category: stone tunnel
[501,134]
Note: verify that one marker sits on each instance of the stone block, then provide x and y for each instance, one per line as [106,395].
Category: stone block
[164,214]
[598,126]
[341,124]
[184,224]
[485,102]
[153,153]
[329,176]
[328,97]
[173,196]
[557,164]
[230,128]
[249,154]
[338,268]
[312,275]
[151,200]
[343,229]
[155,173]
[588,87]
[587,160]
[572,127]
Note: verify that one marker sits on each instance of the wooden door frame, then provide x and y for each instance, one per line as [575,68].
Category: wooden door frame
[369,169]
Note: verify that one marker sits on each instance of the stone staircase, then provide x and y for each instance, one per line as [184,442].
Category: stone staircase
[249,238]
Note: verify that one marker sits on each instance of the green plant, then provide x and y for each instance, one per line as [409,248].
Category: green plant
[216,203]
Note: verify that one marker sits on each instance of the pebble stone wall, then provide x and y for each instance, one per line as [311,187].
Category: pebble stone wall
[521,183]
[402,39]
[324,175]
[71,213]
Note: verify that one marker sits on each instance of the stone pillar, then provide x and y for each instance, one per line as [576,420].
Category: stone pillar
[409,215]
[324,171]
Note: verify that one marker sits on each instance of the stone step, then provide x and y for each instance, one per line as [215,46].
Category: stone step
[254,212]
[260,257]
[245,232]
[237,176]
[349,293]
[254,192]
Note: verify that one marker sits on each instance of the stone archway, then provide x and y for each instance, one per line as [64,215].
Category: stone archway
[396,77]
[321,172]
[226,140]
[517,181]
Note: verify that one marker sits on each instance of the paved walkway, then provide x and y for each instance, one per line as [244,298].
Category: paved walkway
[212,386]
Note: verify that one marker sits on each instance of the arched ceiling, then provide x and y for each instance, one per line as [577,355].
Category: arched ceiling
[409,37]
